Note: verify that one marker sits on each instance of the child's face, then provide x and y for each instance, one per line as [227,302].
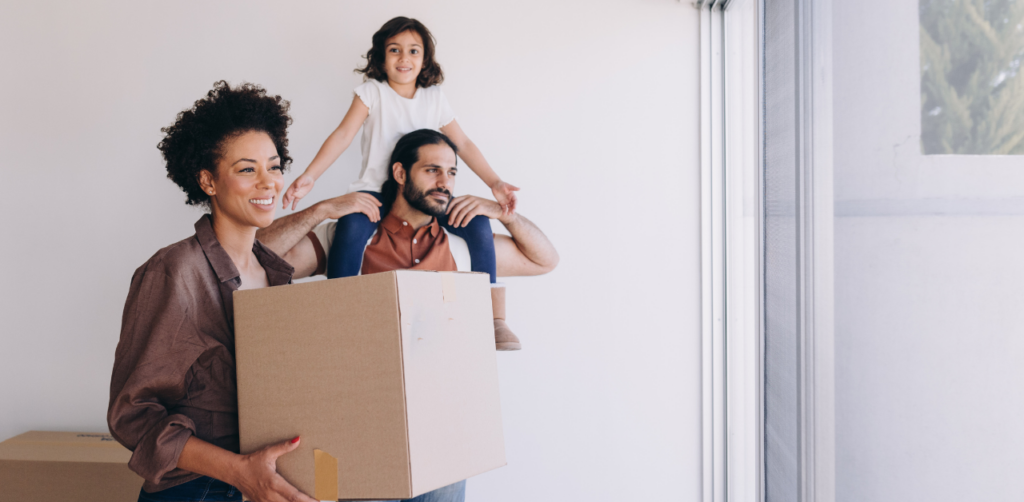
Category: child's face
[403,57]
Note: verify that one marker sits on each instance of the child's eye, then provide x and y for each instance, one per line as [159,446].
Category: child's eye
[392,50]
[415,51]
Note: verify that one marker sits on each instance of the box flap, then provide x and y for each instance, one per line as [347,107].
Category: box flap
[451,377]
[322,360]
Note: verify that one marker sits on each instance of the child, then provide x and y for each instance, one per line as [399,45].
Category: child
[401,94]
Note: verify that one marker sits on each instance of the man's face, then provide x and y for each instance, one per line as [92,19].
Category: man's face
[431,180]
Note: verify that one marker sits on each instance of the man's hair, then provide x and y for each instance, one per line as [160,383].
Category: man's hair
[407,153]
[194,142]
[430,72]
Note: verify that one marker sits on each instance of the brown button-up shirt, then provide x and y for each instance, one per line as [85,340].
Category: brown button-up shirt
[174,368]
[397,246]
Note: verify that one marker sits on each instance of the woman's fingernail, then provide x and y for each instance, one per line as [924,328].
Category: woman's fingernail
[296,440]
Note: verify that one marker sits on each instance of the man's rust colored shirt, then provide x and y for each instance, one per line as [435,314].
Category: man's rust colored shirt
[174,368]
[397,246]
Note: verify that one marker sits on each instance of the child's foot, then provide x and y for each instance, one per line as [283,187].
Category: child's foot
[504,338]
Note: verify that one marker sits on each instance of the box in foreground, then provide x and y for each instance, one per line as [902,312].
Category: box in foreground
[81,466]
[390,379]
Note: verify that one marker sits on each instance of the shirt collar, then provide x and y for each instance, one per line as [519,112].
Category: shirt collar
[215,254]
[394,225]
[278,271]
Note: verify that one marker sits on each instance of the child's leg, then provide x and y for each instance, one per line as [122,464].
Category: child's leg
[480,239]
[350,236]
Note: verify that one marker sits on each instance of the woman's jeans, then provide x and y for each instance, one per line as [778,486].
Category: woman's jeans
[200,489]
[206,489]
[346,253]
[455,492]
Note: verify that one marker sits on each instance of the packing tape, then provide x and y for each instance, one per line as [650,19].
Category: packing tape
[448,287]
[326,472]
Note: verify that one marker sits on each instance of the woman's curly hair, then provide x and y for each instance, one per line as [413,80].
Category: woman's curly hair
[194,142]
[430,73]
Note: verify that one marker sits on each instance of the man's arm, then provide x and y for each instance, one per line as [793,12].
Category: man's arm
[286,236]
[527,252]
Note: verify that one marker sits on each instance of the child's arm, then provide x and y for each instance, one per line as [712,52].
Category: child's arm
[333,147]
[503,192]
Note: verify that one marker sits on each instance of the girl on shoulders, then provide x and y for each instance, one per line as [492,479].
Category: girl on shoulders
[401,94]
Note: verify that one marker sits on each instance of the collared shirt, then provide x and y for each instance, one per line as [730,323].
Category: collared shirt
[396,245]
[174,367]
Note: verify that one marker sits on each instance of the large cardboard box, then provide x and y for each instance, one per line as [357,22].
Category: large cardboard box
[390,379]
[80,466]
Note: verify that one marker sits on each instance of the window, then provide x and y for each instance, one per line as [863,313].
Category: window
[972,94]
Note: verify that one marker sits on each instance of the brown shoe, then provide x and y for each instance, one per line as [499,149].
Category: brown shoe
[504,338]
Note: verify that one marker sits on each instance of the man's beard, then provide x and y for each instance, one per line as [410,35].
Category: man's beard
[419,200]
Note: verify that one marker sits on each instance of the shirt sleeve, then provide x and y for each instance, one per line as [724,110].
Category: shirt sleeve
[445,112]
[157,348]
[369,94]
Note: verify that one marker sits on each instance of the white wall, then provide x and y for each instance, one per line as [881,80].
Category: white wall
[928,285]
[590,106]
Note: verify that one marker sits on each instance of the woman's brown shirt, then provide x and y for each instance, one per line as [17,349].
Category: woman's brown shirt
[174,368]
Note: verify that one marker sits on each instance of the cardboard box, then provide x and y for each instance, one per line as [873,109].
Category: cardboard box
[80,466]
[390,379]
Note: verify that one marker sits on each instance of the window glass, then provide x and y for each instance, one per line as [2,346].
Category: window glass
[972,94]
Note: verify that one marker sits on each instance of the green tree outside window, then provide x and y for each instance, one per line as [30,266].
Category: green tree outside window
[972,94]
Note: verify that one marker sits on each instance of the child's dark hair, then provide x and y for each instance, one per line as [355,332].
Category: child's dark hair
[193,142]
[407,153]
[430,73]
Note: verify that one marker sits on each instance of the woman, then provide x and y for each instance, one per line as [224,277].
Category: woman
[172,393]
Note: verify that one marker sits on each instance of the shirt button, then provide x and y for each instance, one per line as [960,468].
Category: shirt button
[405,223]
[414,241]
[417,260]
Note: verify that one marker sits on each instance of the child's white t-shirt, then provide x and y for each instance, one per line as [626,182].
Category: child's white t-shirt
[391,117]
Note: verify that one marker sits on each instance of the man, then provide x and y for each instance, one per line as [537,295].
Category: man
[417,192]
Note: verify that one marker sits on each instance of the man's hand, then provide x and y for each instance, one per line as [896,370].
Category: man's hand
[298,189]
[259,481]
[505,194]
[464,208]
[355,202]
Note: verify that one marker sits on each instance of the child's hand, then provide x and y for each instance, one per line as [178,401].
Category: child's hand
[298,189]
[466,207]
[505,194]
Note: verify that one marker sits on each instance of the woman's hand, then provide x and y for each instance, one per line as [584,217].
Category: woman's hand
[259,481]
[465,207]
[505,194]
[355,202]
[297,190]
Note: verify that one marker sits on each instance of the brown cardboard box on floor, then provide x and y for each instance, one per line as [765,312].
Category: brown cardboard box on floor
[80,466]
[390,379]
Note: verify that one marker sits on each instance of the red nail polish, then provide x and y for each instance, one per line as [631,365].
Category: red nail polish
[296,440]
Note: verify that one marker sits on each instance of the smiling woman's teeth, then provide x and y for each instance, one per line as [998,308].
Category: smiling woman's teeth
[262,202]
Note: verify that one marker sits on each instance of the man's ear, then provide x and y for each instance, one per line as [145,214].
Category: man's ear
[206,182]
[399,172]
